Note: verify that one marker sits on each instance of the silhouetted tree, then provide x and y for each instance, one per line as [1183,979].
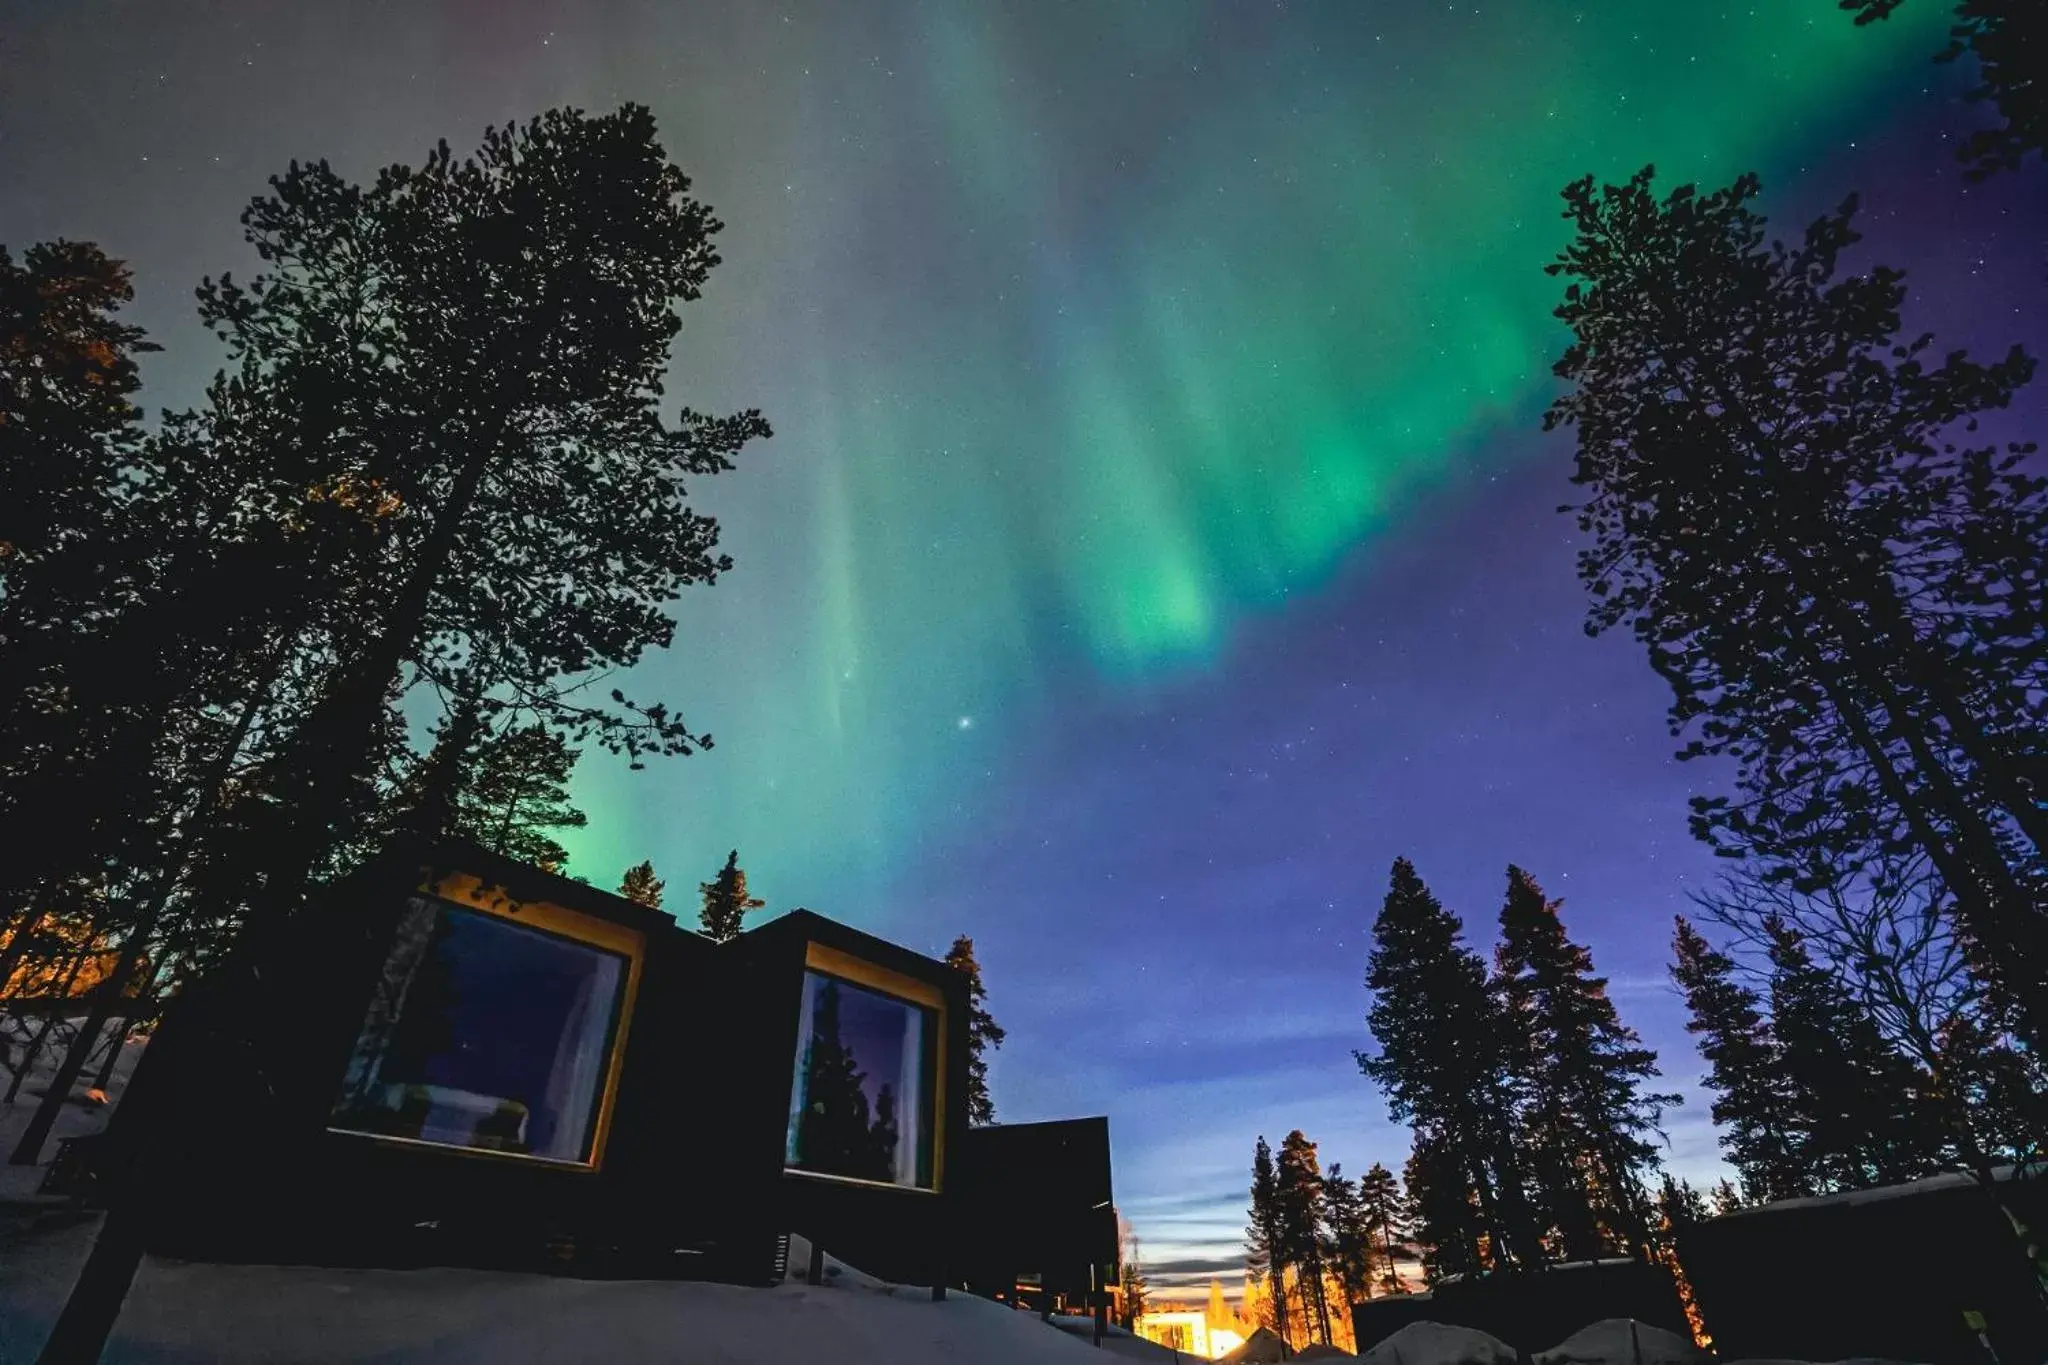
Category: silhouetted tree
[1265,1238]
[1753,1104]
[1589,1122]
[726,901]
[517,795]
[1132,1290]
[1443,1059]
[641,886]
[984,1034]
[1350,1248]
[1859,1103]
[446,386]
[486,340]
[1845,601]
[1885,941]
[1727,1199]
[1298,1186]
[1679,1205]
[1443,1211]
[1379,1195]
[2009,39]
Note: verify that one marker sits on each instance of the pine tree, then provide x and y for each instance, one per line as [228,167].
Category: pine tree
[1350,1249]
[1444,1212]
[726,901]
[1265,1239]
[1379,1196]
[1753,1104]
[1583,1081]
[984,1034]
[1443,1059]
[1679,1206]
[1727,1199]
[1858,1100]
[517,795]
[2009,39]
[641,886]
[1843,596]
[492,334]
[1298,1185]
[1132,1290]
[67,417]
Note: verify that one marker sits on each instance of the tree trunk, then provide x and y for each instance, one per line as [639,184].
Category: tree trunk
[28,1150]
[35,1046]
[346,717]
[119,1038]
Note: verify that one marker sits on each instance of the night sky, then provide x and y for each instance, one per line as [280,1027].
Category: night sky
[1156,540]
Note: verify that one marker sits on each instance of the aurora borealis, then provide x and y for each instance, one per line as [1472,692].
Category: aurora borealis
[1154,522]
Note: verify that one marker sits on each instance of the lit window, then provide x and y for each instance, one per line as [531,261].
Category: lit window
[487,1034]
[862,1103]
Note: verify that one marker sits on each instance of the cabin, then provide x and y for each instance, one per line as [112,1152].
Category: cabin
[1038,1214]
[1945,1270]
[453,1059]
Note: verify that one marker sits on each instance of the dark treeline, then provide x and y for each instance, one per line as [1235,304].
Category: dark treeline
[1318,1242]
[432,488]
[1789,502]
[1535,1128]
[1848,1042]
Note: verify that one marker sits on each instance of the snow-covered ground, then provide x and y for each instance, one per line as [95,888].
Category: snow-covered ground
[179,1313]
[182,1314]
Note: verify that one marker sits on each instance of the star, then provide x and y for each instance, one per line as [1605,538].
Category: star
[964,723]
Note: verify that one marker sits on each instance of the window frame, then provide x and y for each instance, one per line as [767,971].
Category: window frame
[465,892]
[909,990]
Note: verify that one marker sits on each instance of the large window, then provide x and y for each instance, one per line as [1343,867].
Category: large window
[485,1033]
[862,1104]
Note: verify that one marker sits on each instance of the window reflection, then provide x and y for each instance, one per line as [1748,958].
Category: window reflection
[862,1102]
[486,1034]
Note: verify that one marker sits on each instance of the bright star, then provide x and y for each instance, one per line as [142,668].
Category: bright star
[964,723]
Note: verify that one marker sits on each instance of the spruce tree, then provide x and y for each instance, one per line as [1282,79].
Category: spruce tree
[984,1034]
[517,795]
[1753,1104]
[1265,1238]
[1679,1206]
[1862,1121]
[1443,1212]
[1303,1224]
[1351,1250]
[1379,1195]
[641,886]
[726,901]
[1442,1059]
[1843,594]
[1132,1290]
[1591,1121]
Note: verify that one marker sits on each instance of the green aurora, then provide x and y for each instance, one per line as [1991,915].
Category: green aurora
[1088,330]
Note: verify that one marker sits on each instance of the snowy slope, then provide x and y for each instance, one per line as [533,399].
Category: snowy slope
[183,1314]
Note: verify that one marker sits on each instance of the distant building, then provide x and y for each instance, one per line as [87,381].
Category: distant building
[1207,1333]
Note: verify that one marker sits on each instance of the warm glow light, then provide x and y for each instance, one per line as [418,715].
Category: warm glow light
[1202,1334]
